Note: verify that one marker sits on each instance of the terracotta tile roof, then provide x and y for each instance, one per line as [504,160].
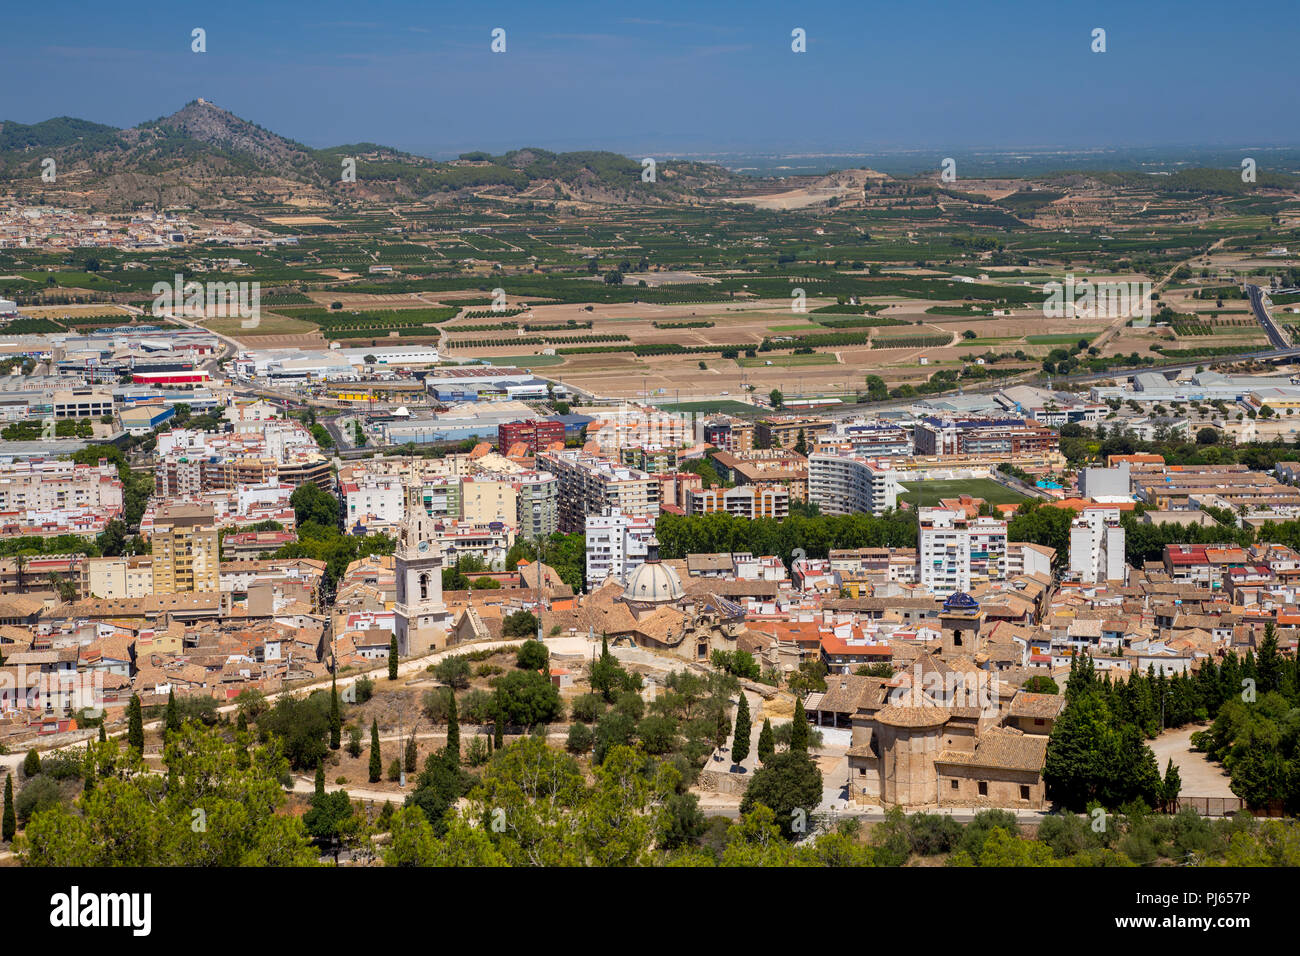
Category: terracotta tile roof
[1001,749]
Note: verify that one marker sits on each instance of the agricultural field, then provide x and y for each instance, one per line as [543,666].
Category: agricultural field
[830,279]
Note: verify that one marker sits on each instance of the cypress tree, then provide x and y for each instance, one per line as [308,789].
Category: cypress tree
[1171,787]
[392,658]
[103,734]
[376,763]
[172,718]
[31,763]
[336,720]
[740,741]
[499,729]
[88,770]
[799,729]
[766,741]
[320,778]
[135,724]
[10,820]
[412,755]
[453,729]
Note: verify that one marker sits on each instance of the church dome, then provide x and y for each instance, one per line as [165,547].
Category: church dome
[960,601]
[653,582]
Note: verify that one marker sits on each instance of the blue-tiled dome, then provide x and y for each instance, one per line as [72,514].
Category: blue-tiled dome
[960,601]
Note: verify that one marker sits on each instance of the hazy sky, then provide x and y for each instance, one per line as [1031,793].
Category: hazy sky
[673,76]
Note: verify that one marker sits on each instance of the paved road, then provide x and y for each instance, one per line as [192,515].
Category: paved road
[1274,331]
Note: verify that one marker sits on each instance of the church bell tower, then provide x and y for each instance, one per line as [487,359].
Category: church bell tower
[421,621]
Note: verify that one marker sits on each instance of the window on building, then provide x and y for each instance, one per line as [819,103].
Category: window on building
[984,788]
[1024,792]
[956,785]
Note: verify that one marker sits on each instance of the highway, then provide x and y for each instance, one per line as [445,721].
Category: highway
[1271,328]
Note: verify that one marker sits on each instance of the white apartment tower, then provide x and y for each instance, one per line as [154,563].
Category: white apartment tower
[954,552]
[845,485]
[1097,547]
[616,544]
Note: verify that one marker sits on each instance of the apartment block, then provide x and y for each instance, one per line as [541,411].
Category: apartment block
[955,552]
[983,436]
[782,431]
[1097,546]
[185,552]
[745,501]
[537,513]
[735,435]
[590,485]
[844,485]
[616,544]
[122,577]
[373,501]
[536,433]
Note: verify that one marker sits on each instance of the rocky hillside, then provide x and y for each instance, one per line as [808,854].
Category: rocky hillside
[206,154]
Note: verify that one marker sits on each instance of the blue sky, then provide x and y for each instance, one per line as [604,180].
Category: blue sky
[673,77]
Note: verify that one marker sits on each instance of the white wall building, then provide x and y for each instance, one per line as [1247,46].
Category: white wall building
[373,500]
[1097,546]
[842,484]
[616,544]
[954,552]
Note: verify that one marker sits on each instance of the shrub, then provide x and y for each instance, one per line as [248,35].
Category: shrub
[453,671]
[588,708]
[436,704]
[580,739]
[365,689]
[38,793]
[532,656]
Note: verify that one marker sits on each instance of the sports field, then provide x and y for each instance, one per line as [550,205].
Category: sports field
[928,493]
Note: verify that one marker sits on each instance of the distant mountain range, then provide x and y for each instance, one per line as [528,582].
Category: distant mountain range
[205,154]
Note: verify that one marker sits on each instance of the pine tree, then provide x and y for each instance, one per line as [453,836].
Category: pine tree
[320,778]
[392,658]
[766,741]
[799,729]
[336,720]
[172,718]
[31,763]
[135,724]
[740,740]
[10,820]
[499,729]
[103,734]
[453,729]
[376,762]
[412,755]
